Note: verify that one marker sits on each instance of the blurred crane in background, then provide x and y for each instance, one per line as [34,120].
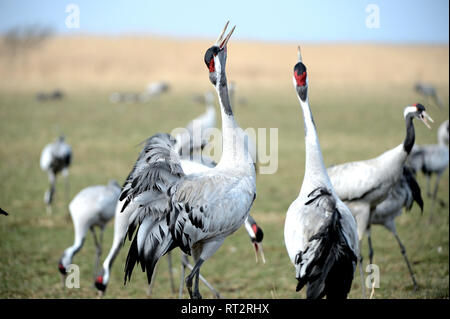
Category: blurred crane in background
[55,158]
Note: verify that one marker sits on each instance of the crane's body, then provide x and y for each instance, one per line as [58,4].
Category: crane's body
[92,207]
[55,158]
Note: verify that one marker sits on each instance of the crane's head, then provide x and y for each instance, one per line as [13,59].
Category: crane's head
[300,78]
[256,236]
[101,282]
[216,57]
[418,111]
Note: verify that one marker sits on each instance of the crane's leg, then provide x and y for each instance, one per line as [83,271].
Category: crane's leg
[403,250]
[184,262]
[369,241]
[361,271]
[200,254]
[48,197]
[169,260]
[428,185]
[98,245]
[194,273]
[361,212]
[65,173]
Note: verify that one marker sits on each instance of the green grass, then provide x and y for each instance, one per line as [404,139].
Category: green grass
[104,137]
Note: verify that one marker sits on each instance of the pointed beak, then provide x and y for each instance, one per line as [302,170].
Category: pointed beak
[222,42]
[424,116]
[259,248]
[299,54]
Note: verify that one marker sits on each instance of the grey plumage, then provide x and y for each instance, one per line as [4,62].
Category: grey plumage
[402,195]
[319,231]
[432,160]
[194,212]
[55,158]
[362,185]
[92,207]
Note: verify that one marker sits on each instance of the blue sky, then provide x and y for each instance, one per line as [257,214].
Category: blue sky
[400,21]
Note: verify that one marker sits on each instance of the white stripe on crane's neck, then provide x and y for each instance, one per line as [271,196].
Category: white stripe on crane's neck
[409,109]
[314,165]
[235,151]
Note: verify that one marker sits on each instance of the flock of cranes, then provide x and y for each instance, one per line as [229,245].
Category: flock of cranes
[172,199]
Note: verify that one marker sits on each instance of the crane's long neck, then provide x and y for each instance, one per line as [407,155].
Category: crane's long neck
[408,143]
[314,164]
[234,151]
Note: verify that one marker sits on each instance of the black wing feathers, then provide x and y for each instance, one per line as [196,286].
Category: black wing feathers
[330,273]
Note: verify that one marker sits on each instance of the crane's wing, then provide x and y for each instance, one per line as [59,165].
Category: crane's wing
[354,180]
[329,260]
[206,206]
[414,187]
[145,199]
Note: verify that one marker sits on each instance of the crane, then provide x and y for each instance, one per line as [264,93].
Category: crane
[91,207]
[56,157]
[320,232]
[362,185]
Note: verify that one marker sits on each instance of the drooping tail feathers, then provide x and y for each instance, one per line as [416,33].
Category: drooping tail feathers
[151,241]
[330,272]
[146,200]
[414,186]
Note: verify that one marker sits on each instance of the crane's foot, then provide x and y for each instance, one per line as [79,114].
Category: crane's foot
[196,295]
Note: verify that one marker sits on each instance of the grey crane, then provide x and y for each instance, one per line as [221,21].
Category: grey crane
[362,185]
[402,195]
[428,91]
[56,157]
[432,160]
[320,232]
[92,207]
[195,212]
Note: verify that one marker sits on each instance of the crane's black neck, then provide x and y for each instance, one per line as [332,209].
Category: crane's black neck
[410,134]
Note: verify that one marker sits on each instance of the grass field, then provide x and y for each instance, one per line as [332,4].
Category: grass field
[357,118]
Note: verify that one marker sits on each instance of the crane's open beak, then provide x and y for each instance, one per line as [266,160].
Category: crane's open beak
[259,248]
[299,54]
[424,116]
[222,42]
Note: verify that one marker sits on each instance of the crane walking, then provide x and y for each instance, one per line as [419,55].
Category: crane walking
[403,194]
[362,185]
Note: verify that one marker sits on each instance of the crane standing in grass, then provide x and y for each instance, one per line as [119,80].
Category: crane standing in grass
[320,232]
[91,207]
[55,158]
[362,185]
